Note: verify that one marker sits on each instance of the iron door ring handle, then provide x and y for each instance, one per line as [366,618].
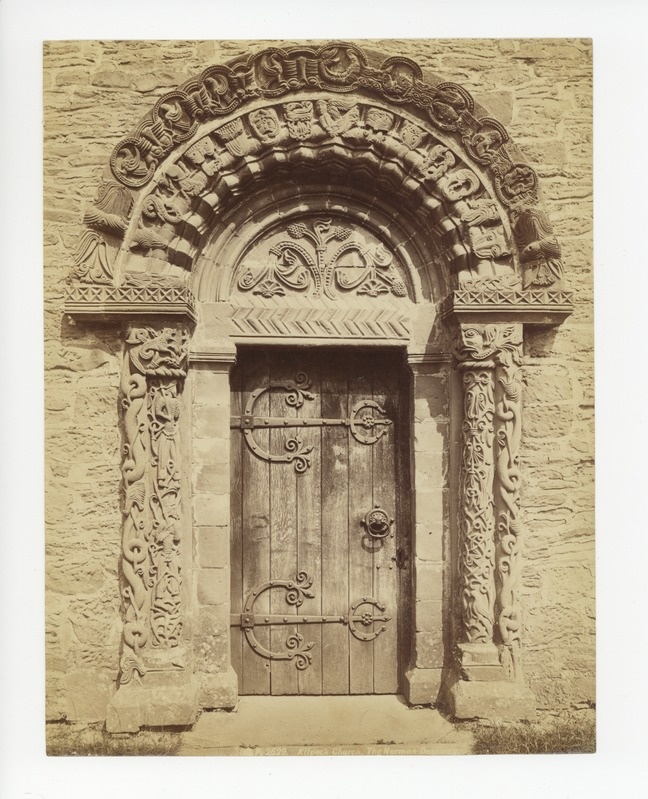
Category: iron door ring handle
[377,522]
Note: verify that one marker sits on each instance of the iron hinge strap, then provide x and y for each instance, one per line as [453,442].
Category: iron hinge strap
[248,620]
[260,422]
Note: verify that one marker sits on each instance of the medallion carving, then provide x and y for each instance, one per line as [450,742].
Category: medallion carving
[320,258]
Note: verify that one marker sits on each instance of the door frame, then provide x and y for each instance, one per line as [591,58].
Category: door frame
[429,444]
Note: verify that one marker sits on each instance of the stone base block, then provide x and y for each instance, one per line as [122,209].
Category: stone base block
[133,707]
[422,686]
[510,701]
[219,690]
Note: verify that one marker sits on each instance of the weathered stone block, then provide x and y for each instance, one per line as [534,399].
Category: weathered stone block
[219,690]
[88,694]
[213,547]
[213,586]
[430,436]
[423,686]
[430,469]
[429,506]
[428,541]
[211,510]
[547,384]
[133,707]
[491,700]
[549,421]
[429,650]
[428,615]
[211,478]
[212,641]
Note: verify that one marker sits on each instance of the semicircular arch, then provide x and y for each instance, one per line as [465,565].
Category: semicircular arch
[326,112]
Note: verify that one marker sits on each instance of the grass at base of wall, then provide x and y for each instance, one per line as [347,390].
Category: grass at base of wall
[64,739]
[564,732]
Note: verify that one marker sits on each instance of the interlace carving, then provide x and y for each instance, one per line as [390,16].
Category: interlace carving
[508,432]
[154,366]
[323,258]
[477,553]
[490,547]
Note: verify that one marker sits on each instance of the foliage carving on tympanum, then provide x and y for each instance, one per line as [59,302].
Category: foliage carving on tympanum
[321,258]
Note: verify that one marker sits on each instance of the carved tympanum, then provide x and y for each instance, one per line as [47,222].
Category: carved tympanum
[320,258]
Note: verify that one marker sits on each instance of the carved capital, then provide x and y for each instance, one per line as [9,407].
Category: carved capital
[159,352]
[485,346]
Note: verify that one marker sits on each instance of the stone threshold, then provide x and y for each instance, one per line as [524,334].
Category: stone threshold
[324,725]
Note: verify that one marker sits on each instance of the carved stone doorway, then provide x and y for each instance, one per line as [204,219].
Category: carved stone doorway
[320,578]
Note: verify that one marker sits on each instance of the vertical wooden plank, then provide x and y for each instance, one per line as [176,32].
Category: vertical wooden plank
[335,499]
[236,528]
[385,393]
[256,527]
[309,527]
[283,525]
[404,519]
[361,545]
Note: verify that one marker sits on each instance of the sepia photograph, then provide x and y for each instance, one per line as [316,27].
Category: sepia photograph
[319,397]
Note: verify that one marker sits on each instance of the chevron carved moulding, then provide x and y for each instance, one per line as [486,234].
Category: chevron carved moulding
[340,322]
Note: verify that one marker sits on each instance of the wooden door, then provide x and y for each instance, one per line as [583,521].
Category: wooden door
[319,543]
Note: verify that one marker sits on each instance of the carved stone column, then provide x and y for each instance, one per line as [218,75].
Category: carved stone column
[153,656]
[489,674]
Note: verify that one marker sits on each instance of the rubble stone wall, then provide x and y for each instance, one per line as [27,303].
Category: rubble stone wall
[94,94]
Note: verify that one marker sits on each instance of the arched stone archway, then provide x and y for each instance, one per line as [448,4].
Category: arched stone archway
[322,154]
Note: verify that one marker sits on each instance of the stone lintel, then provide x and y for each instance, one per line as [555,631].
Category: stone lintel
[471,699]
[319,341]
[133,706]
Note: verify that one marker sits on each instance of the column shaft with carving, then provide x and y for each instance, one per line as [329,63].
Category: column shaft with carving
[155,366]
[508,432]
[489,547]
[477,558]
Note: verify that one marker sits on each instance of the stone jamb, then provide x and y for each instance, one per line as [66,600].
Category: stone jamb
[210,462]
[429,456]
